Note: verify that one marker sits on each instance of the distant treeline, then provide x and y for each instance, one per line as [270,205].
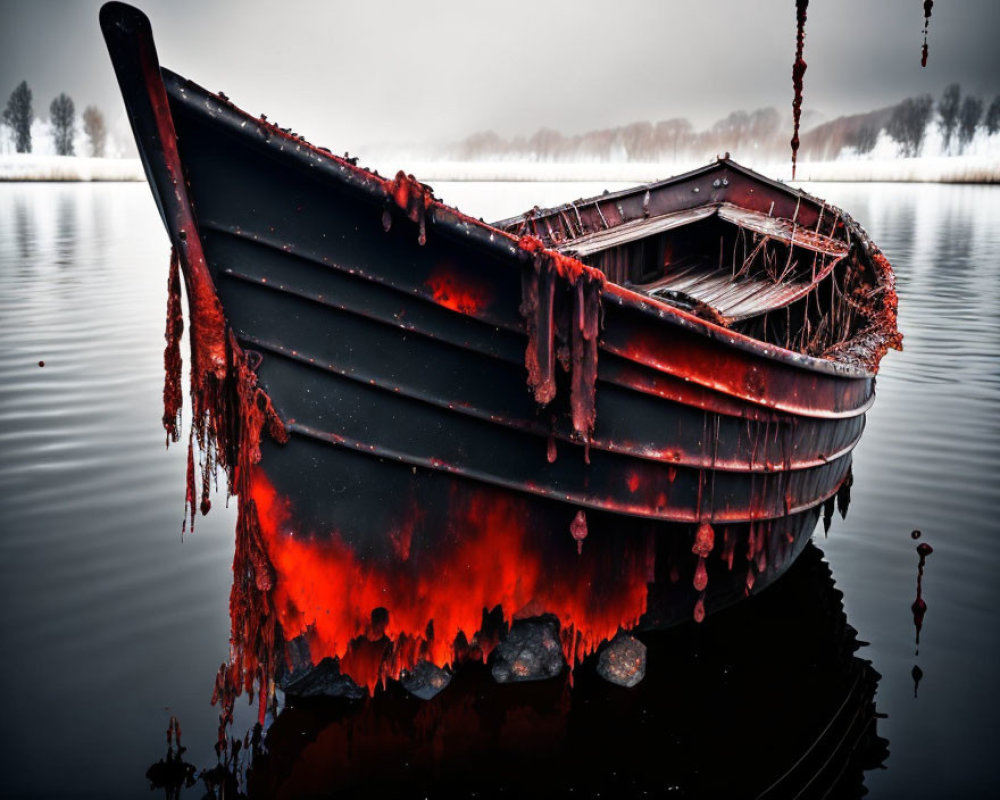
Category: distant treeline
[19,114]
[761,135]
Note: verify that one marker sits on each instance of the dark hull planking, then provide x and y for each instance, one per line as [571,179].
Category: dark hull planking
[381,337]
[414,353]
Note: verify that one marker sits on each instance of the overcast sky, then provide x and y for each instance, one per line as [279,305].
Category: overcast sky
[347,74]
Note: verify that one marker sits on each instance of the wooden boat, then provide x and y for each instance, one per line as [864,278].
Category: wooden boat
[427,418]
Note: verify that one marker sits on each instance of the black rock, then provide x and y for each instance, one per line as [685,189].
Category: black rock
[623,661]
[425,680]
[531,652]
[323,680]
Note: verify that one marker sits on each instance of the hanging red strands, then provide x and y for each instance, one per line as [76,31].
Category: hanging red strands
[928,5]
[798,72]
[173,396]
[561,300]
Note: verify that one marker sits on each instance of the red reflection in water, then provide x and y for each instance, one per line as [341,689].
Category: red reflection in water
[326,593]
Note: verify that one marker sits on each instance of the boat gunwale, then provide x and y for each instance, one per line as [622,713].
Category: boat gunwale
[764,403]
[233,120]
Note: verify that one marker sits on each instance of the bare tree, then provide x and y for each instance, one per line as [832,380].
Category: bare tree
[968,119]
[18,115]
[866,138]
[62,113]
[908,123]
[948,108]
[993,116]
[93,126]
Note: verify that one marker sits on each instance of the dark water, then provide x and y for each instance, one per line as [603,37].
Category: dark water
[112,622]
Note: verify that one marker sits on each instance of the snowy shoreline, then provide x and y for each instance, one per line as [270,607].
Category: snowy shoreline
[46,168]
[980,169]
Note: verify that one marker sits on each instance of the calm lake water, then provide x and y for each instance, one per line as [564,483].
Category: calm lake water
[112,622]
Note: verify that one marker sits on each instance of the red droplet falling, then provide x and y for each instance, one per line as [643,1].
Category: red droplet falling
[928,5]
[699,609]
[798,72]
[41,363]
[700,575]
[915,534]
[704,540]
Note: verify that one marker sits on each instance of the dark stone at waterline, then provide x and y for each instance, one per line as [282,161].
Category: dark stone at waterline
[299,678]
[323,680]
[531,652]
[623,661]
[425,680]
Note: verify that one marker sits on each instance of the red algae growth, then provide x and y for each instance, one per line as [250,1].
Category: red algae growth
[798,73]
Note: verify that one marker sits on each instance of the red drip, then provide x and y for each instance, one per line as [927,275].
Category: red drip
[173,397]
[699,608]
[414,198]
[798,73]
[561,298]
[919,607]
[928,5]
[700,575]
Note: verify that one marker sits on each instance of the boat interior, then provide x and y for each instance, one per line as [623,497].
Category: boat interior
[742,269]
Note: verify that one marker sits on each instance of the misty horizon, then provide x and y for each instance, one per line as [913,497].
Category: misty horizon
[353,76]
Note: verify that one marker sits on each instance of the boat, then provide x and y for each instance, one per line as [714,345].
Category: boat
[430,420]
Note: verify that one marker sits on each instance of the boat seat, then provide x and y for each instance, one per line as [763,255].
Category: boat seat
[689,284]
[732,300]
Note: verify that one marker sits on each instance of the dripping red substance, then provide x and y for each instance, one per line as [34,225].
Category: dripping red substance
[798,73]
[928,5]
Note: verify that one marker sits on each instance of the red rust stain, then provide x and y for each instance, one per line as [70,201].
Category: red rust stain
[323,590]
[928,5]
[704,540]
[798,73]
[633,482]
[458,290]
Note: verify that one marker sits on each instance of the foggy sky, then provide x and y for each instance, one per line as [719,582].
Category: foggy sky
[347,74]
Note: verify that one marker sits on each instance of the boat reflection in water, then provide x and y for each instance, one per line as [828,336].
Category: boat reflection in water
[766,699]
